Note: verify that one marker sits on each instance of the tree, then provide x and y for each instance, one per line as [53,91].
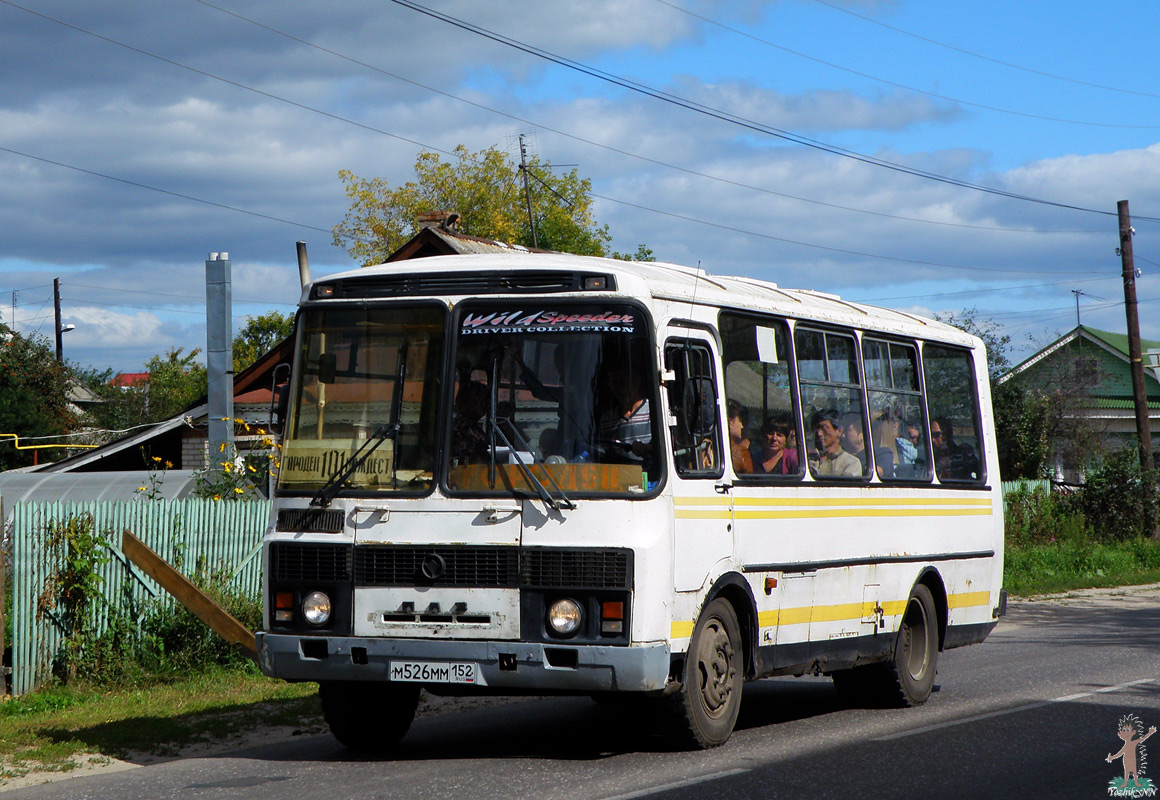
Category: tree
[1036,426]
[258,336]
[486,190]
[998,344]
[33,396]
[175,383]
[643,253]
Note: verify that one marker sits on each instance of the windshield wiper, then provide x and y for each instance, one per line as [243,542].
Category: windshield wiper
[494,430]
[331,488]
[547,497]
[388,431]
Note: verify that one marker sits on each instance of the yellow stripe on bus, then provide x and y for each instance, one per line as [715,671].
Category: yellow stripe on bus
[830,508]
[683,629]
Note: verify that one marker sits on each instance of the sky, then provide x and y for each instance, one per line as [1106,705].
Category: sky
[930,157]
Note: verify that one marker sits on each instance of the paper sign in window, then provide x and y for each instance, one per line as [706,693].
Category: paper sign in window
[766,345]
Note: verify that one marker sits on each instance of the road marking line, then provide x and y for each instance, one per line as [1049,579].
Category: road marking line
[1016,710]
[677,785]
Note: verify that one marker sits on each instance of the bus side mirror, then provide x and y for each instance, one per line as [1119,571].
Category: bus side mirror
[700,405]
[281,406]
[327,367]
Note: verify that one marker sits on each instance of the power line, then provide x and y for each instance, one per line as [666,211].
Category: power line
[617,150]
[840,250]
[139,185]
[982,57]
[343,119]
[741,122]
[908,88]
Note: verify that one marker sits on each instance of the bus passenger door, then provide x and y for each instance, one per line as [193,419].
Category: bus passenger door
[703,512]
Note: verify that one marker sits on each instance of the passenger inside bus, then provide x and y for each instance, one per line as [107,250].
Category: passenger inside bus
[776,457]
[737,416]
[832,460]
[952,461]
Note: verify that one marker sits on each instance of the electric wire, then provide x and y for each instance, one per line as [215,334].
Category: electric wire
[612,148]
[736,120]
[980,56]
[916,90]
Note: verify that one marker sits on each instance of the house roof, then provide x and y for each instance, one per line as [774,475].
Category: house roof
[1111,351]
[445,239]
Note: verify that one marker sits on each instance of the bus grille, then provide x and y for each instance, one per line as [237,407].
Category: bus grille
[309,520]
[310,562]
[473,283]
[576,569]
[485,567]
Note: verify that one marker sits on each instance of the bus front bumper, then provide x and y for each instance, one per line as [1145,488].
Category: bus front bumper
[518,666]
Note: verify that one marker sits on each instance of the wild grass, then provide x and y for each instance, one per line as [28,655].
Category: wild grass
[50,729]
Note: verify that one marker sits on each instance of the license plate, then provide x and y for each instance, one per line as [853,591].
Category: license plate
[436,672]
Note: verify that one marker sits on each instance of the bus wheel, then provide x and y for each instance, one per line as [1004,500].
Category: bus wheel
[908,679]
[710,696]
[368,716]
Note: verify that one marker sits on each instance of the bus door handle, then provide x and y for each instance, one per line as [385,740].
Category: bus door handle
[494,513]
[723,487]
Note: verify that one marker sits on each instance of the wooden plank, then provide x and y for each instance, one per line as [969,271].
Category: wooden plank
[199,604]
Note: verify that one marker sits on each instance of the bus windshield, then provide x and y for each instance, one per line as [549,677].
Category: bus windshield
[568,389]
[365,373]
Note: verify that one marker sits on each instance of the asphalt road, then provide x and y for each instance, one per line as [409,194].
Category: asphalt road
[1032,713]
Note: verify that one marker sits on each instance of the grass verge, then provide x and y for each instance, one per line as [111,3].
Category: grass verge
[48,731]
[1071,564]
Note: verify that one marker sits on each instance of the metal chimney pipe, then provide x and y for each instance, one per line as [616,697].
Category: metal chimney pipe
[303,265]
[219,357]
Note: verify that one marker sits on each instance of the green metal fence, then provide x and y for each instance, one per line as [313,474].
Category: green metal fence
[224,536]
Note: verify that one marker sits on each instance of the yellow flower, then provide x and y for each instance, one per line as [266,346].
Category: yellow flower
[239,491]
[157,459]
[228,466]
[222,449]
[250,467]
[169,465]
[142,489]
[217,497]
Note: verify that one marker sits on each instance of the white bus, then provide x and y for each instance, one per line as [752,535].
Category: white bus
[554,474]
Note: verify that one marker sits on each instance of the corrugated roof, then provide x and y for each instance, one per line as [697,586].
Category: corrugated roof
[28,487]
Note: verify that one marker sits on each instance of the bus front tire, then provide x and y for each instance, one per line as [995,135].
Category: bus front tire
[710,697]
[907,679]
[368,716]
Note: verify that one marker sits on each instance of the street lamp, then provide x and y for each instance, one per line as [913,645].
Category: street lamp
[62,329]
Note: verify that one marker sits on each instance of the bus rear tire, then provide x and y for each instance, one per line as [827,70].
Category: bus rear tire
[907,679]
[710,697]
[367,716]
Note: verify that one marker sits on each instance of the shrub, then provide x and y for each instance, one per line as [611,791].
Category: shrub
[1118,500]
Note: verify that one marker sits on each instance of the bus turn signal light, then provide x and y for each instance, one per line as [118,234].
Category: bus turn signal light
[612,616]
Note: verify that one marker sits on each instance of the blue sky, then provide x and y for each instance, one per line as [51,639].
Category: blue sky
[137,137]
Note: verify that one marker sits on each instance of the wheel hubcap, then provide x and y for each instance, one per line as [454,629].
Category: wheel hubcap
[715,663]
[916,630]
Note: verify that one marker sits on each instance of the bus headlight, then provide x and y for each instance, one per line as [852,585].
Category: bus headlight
[316,608]
[564,617]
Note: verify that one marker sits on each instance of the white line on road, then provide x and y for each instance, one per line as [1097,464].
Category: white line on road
[677,785]
[1016,710]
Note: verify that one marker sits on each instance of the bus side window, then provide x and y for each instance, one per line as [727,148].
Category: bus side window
[692,396]
[831,401]
[953,411]
[895,404]
[757,357]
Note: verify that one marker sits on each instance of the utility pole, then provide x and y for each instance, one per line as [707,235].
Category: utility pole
[527,190]
[1143,430]
[56,314]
